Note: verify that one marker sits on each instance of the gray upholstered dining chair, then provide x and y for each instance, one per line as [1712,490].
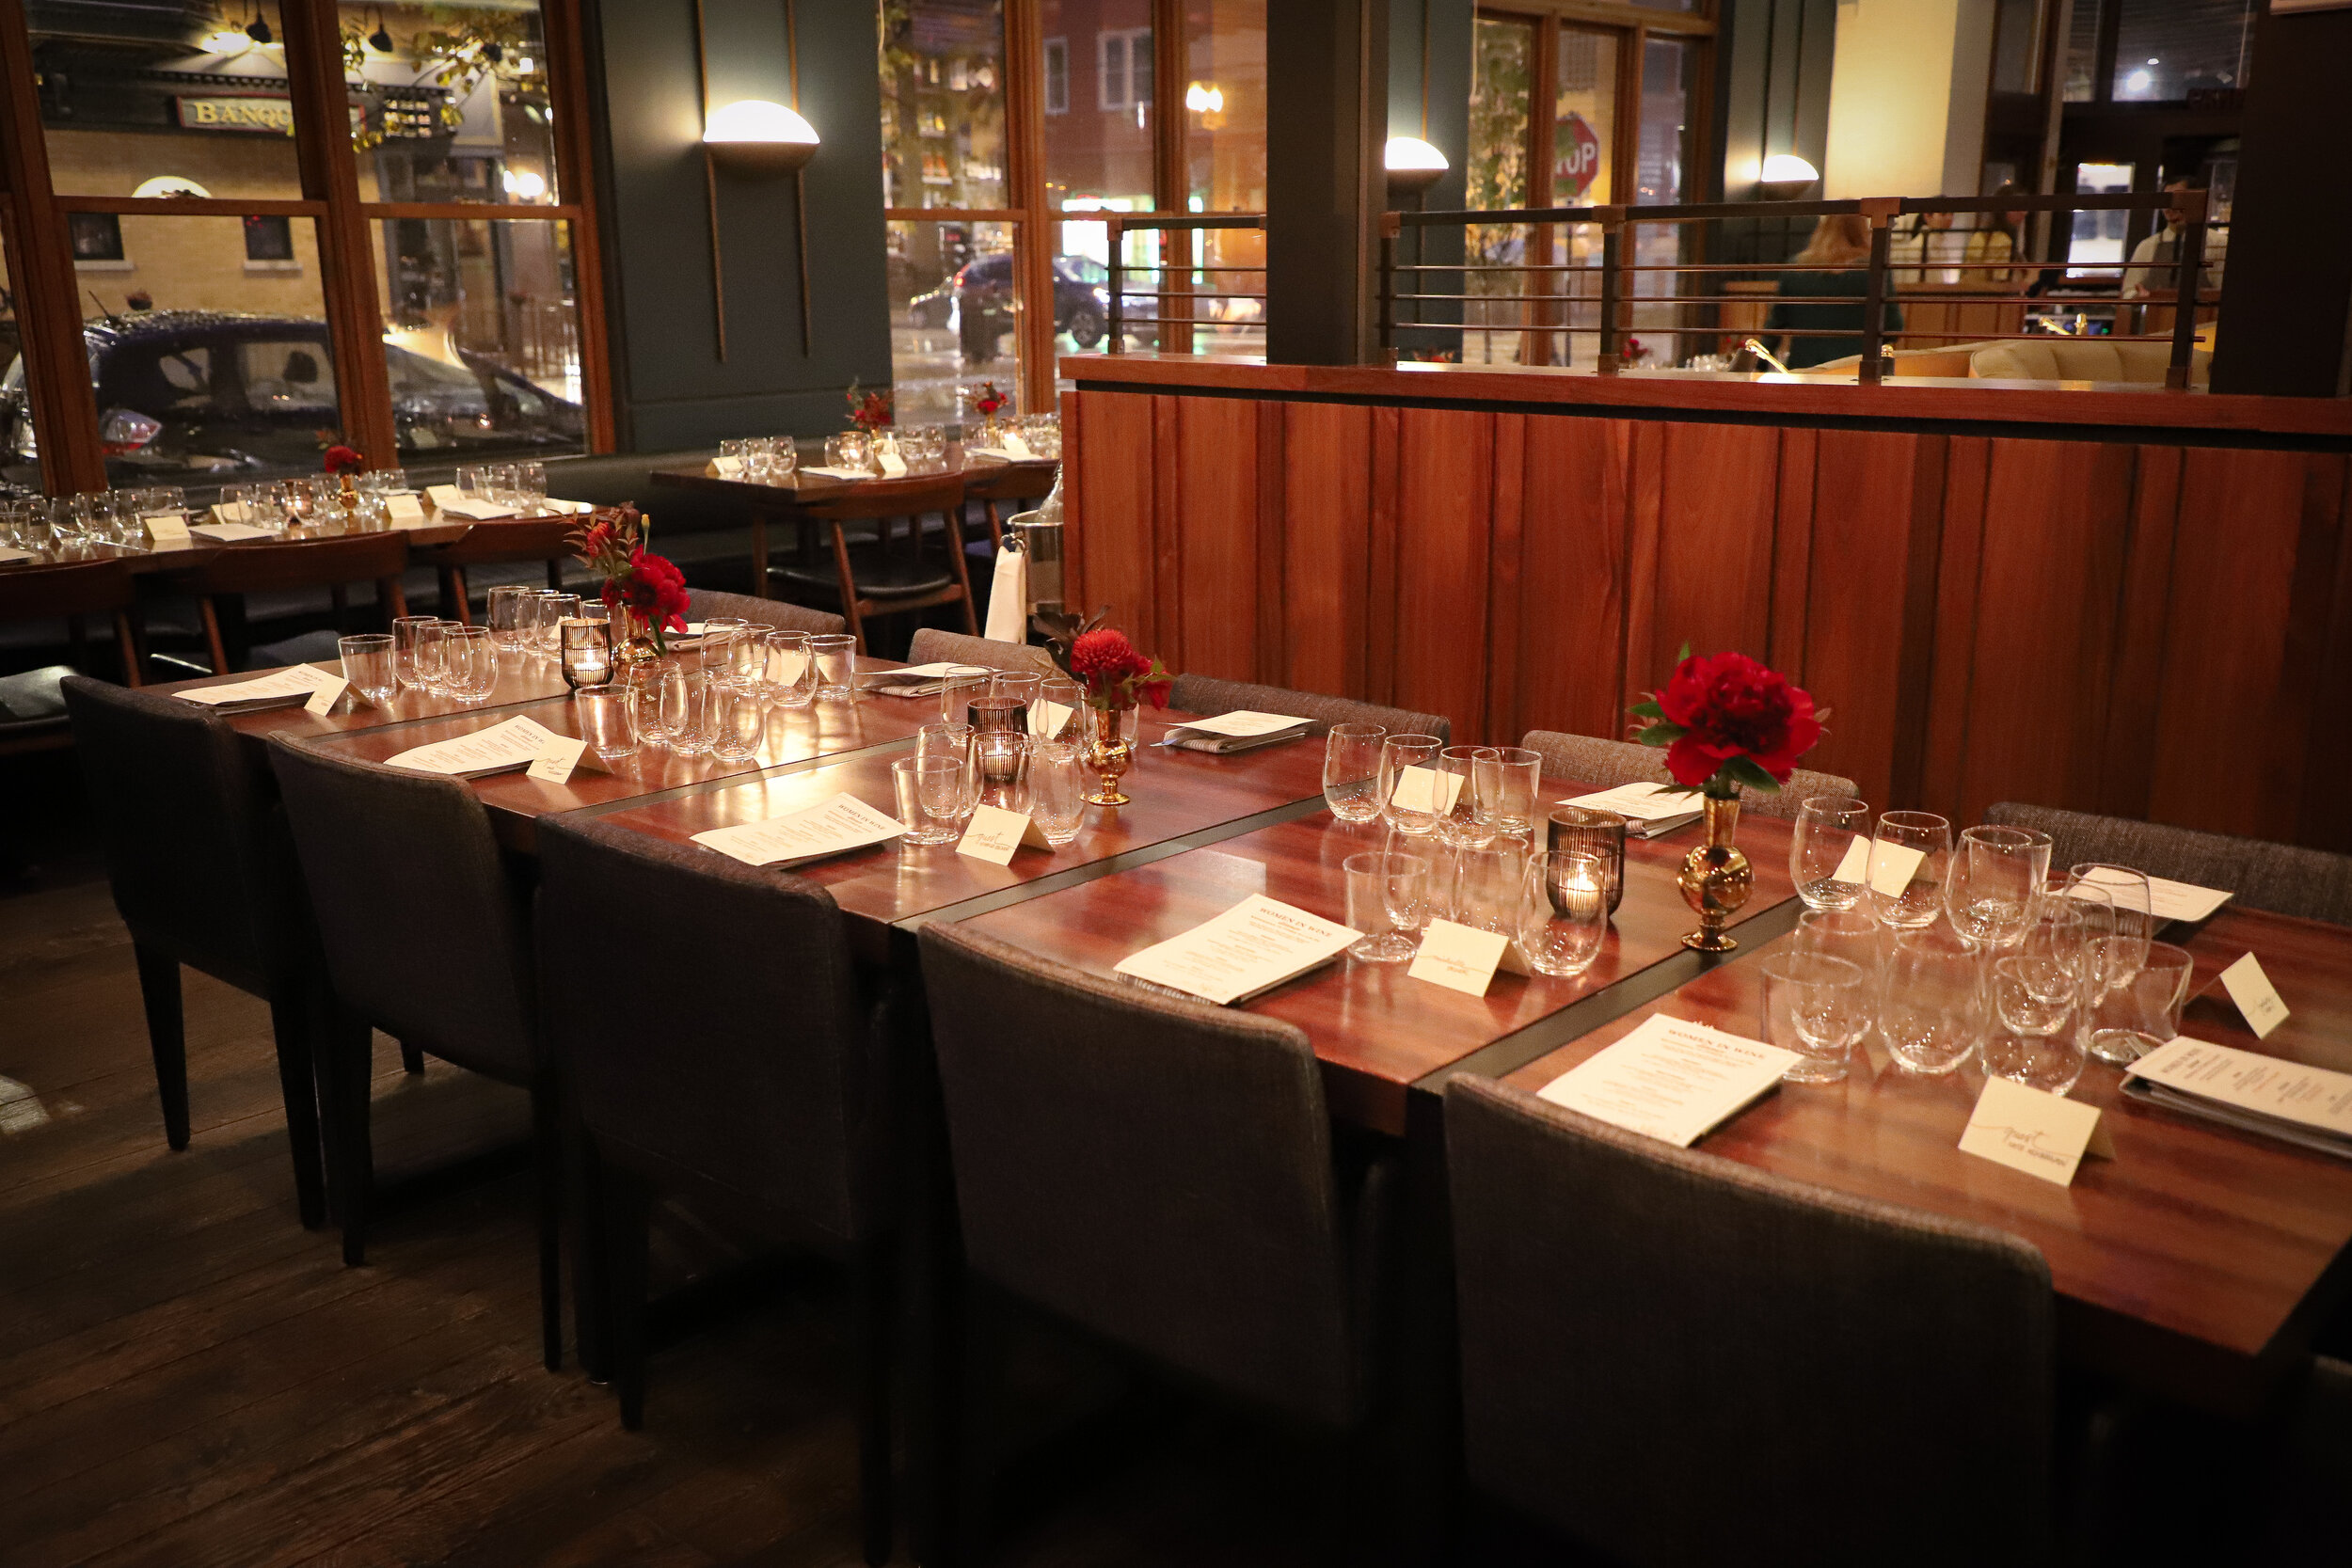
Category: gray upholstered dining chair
[2284,878]
[755,1087]
[1606,764]
[427,937]
[1666,1354]
[203,874]
[1162,1174]
[704,603]
[1208,696]
[930,646]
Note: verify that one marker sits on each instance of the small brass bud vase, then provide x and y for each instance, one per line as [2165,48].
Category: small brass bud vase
[1716,877]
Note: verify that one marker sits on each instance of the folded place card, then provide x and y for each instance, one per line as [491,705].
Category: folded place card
[323,701]
[832,827]
[228,533]
[1649,809]
[163,527]
[1425,789]
[1017,448]
[278,689]
[1047,719]
[11,555]
[725,468]
[838,473]
[2246,1081]
[995,833]
[1892,866]
[1670,1079]
[1856,864]
[444,495]
[2250,992]
[1240,731]
[501,749]
[230,512]
[476,511]
[891,464]
[1252,947]
[556,759]
[1459,957]
[404,508]
[2169,900]
[2041,1135]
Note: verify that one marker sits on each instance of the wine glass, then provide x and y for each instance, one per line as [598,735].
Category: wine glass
[1823,861]
[1488,885]
[1411,789]
[1933,1010]
[1464,823]
[2121,954]
[1815,1006]
[1388,900]
[1351,770]
[1996,877]
[1910,857]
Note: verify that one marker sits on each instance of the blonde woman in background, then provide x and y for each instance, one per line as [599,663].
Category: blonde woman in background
[1829,300]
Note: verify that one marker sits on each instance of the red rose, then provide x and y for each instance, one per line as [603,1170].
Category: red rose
[1731,706]
[344,460]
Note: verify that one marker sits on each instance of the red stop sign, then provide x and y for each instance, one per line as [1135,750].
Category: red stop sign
[1575,156]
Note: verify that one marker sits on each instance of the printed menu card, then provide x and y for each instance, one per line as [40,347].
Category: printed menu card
[2169,900]
[2259,1089]
[278,689]
[499,749]
[1648,809]
[1251,948]
[812,833]
[1235,732]
[1670,1079]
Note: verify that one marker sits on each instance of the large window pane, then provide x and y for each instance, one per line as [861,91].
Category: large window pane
[1668,89]
[954,316]
[482,338]
[160,100]
[1502,78]
[2167,49]
[19,451]
[2016,46]
[2096,247]
[2082,53]
[1224,105]
[943,103]
[449,102]
[1098,138]
[210,367]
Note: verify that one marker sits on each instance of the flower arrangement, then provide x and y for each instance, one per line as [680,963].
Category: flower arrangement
[871,411]
[988,402]
[1104,663]
[344,460]
[1728,722]
[648,587]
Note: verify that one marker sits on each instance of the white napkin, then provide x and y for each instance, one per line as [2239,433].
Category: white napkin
[1009,598]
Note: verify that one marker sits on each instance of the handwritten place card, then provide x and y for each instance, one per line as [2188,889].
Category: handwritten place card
[1459,957]
[2250,992]
[278,689]
[1892,866]
[404,508]
[556,760]
[725,468]
[2168,901]
[2041,1135]
[1017,448]
[824,472]
[1649,809]
[444,495]
[891,464]
[995,833]
[230,512]
[499,749]
[1425,789]
[1670,1079]
[832,827]
[1252,947]
[166,527]
[1047,719]
[323,701]
[1856,865]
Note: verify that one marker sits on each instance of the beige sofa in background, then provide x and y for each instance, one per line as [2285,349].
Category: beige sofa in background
[2050,358]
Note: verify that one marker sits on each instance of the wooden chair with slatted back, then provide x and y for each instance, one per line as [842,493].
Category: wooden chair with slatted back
[500,543]
[32,704]
[892,586]
[378,558]
[1002,492]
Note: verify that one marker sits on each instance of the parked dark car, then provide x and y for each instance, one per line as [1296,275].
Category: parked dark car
[978,302]
[223,394]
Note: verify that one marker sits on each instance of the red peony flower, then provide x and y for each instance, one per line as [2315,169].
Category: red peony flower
[1105,655]
[345,460]
[1729,705]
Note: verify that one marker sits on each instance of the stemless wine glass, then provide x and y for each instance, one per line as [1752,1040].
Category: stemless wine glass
[469,662]
[432,655]
[1487,886]
[1411,789]
[686,711]
[1815,1006]
[645,682]
[407,631]
[1853,935]
[1388,900]
[2118,955]
[1828,828]
[368,665]
[1910,855]
[957,689]
[739,720]
[1057,790]
[953,742]
[1055,714]
[2143,1011]
[550,610]
[2037,1043]
[1996,875]
[1463,822]
[607,720]
[1510,779]
[1564,911]
[791,673]
[918,784]
[1933,1010]
[508,604]
[837,666]
[1351,771]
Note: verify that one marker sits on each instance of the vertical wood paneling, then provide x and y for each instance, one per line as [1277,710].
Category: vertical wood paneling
[1444,484]
[1217,531]
[1645,487]
[1792,553]
[1506,611]
[1107,503]
[1573,528]
[1167,618]
[2128,760]
[1327,545]
[2328,760]
[2231,716]
[1718,489]
[1381,562]
[1960,556]
[1273,649]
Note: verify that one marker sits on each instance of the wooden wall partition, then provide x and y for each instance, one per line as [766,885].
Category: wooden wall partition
[2139,627]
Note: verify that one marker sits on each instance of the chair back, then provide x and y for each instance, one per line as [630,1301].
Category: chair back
[730,1046]
[704,603]
[2284,878]
[301,563]
[197,847]
[502,540]
[1208,697]
[930,646]
[887,497]
[1157,1170]
[1665,1354]
[1606,764]
[424,929]
[67,588]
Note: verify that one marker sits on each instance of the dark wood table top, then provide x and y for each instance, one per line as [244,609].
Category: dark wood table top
[180,555]
[801,486]
[521,683]
[1377,1031]
[2197,1261]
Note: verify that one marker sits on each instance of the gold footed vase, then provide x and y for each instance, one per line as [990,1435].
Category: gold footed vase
[1716,878]
[633,647]
[1108,750]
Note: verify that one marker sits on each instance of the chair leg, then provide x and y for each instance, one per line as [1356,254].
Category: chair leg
[411,1058]
[344,1046]
[628,1211]
[592,1270]
[290,1013]
[453,592]
[209,612]
[546,1138]
[963,574]
[127,644]
[392,600]
[849,587]
[159,988]
[874,1301]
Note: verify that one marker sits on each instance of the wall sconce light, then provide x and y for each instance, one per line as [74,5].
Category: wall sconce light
[1205,98]
[1413,165]
[755,137]
[1784,177]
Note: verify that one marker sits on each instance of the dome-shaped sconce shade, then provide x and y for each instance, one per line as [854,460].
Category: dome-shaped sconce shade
[1413,165]
[1784,177]
[754,137]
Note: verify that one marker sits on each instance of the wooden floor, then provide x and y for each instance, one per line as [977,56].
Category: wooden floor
[187,1378]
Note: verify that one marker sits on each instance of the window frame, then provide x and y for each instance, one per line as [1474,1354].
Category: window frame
[63,402]
[1056,76]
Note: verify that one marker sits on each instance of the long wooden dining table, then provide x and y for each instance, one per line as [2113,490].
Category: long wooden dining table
[2197,1264]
